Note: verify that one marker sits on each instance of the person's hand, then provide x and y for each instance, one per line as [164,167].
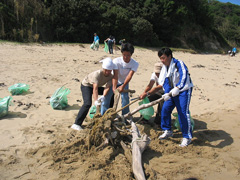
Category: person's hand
[175,92]
[166,97]
[143,95]
[97,103]
[101,99]
[120,89]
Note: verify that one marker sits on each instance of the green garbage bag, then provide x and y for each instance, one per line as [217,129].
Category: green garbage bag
[59,98]
[147,113]
[4,103]
[105,47]
[177,125]
[18,88]
[92,46]
[92,111]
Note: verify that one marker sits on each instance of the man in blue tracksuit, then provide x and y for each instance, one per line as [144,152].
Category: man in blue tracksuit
[175,79]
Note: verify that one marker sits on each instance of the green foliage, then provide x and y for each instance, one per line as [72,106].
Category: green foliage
[175,23]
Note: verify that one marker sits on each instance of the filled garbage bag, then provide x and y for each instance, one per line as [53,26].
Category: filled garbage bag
[59,98]
[4,103]
[177,125]
[105,47]
[18,88]
[147,113]
[92,111]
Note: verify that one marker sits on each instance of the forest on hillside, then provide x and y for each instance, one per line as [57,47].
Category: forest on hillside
[175,23]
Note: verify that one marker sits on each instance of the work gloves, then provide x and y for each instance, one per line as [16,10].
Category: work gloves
[166,97]
[99,101]
[175,92]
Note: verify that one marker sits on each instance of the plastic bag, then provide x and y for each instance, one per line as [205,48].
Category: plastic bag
[92,46]
[105,47]
[147,113]
[92,111]
[18,88]
[4,103]
[177,125]
[59,98]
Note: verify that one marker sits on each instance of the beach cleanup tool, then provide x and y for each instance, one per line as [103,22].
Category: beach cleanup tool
[148,112]
[59,98]
[18,88]
[4,103]
[176,123]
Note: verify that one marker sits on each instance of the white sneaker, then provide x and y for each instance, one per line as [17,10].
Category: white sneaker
[166,134]
[76,127]
[185,142]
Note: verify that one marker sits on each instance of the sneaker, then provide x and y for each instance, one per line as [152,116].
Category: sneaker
[185,142]
[76,127]
[166,134]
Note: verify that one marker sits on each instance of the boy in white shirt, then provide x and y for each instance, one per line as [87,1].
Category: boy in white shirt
[126,67]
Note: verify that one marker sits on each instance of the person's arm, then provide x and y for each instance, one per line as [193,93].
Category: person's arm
[127,80]
[95,92]
[149,86]
[115,79]
[152,91]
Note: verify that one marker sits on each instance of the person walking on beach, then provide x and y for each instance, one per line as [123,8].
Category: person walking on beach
[126,66]
[154,79]
[175,79]
[110,42]
[91,86]
[95,44]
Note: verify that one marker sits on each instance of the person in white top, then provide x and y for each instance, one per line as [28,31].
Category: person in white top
[157,95]
[126,66]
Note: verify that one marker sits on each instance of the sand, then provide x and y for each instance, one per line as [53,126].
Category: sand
[38,143]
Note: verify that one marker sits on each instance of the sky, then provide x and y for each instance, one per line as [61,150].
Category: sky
[231,1]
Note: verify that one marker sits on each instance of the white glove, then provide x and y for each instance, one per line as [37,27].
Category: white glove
[97,103]
[101,98]
[175,92]
[166,97]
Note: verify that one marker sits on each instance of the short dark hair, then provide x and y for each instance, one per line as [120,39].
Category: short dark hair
[127,47]
[166,51]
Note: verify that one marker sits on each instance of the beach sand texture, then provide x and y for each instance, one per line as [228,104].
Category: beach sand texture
[38,143]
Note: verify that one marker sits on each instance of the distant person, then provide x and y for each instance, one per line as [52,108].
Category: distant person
[121,42]
[110,42]
[126,66]
[234,51]
[91,87]
[95,44]
[154,96]
[175,78]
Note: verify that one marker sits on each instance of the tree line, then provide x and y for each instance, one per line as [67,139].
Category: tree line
[142,22]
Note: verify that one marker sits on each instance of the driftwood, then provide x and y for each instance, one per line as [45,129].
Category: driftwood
[117,95]
[139,144]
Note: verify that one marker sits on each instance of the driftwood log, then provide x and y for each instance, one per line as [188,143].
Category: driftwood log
[139,144]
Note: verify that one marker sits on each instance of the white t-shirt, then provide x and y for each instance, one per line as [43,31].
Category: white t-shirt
[154,78]
[124,68]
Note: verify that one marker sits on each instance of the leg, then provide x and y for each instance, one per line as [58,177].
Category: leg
[87,102]
[182,103]
[106,103]
[167,109]
[157,119]
[125,101]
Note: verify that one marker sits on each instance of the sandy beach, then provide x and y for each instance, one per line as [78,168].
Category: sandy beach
[38,143]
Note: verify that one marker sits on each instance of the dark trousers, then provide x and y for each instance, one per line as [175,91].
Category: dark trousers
[110,47]
[87,102]
[154,97]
